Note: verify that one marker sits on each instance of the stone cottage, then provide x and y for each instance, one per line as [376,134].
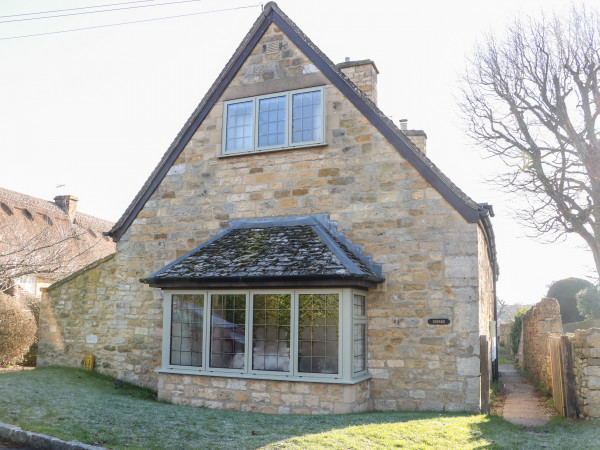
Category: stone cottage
[43,241]
[293,252]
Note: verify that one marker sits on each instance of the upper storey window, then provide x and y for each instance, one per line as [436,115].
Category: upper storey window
[274,122]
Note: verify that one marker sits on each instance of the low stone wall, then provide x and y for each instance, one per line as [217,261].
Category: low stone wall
[263,396]
[538,323]
[585,346]
[534,354]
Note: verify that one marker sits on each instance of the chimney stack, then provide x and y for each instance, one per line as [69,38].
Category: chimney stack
[417,137]
[363,74]
[68,203]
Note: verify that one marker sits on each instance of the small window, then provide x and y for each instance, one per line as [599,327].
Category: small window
[359,334]
[6,209]
[271,331]
[228,331]
[187,317]
[275,121]
[47,219]
[27,214]
[318,341]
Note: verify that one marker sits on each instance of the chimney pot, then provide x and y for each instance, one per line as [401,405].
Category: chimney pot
[68,203]
[403,124]
[347,58]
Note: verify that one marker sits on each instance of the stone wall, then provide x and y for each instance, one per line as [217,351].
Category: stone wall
[429,253]
[540,321]
[504,330]
[264,396]
[93,311]
[585,345]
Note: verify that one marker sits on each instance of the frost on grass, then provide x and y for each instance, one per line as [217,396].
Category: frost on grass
[73,404]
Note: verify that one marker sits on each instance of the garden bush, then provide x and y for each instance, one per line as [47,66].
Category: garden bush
[17,330]
[515,331]
[588,303]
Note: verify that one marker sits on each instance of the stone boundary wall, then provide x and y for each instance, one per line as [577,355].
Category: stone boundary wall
[264,396]
[539,322]
[585,345]
[544,319]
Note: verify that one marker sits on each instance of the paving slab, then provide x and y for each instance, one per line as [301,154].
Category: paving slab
[522,406]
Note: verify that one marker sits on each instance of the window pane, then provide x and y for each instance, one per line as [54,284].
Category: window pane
[228,331]
[306,117]
[359,305]
[239,126]
[318,333]
[360,347]
[187,314]
[271,125]
[271,332]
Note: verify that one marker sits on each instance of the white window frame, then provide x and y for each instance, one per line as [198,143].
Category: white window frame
[359,320]
[288,144]
[345,337]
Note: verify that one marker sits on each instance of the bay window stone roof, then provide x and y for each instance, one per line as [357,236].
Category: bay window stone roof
[289,249]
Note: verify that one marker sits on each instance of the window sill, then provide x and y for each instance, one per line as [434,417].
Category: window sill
[271,150]
[264,377]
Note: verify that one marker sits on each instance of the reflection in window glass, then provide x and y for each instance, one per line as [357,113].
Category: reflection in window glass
[271,121]
[360,347]
[271,332]
[187,314]
[318,341]
[239,126]
[306,117]
[228,331]
[359,305]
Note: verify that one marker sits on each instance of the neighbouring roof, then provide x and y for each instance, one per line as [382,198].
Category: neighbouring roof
[278,250]
[272,14]
[40,238]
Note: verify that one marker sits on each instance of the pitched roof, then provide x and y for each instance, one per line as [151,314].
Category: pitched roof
[272,14]
[38,237]
[281,249]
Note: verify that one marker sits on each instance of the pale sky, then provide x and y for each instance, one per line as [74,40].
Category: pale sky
[95,110]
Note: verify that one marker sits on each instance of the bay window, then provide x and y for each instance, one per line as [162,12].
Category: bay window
[274,121]
[316,334]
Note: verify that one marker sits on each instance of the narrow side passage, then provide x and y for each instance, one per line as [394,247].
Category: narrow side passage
[521,407]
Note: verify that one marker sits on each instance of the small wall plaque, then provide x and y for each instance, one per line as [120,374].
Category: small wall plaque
[88,362]
[438,321]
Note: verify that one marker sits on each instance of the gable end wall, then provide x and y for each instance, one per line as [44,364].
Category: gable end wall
[428,251]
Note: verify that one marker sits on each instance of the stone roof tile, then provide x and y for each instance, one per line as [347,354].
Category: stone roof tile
[298,251]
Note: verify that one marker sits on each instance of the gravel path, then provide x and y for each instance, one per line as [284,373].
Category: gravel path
[522,406]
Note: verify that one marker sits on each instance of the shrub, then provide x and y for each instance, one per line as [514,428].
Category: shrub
[17,330]
[565,291]
[588,303]
[515,331]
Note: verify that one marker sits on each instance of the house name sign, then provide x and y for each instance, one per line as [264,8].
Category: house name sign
[438,321]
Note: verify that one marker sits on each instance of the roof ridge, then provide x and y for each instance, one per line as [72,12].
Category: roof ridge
[39,205]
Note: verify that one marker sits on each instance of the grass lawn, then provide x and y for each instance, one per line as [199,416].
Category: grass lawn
[504,355]
[74,404]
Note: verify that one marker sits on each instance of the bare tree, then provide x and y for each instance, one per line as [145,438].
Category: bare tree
[51,251]
[533,100]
